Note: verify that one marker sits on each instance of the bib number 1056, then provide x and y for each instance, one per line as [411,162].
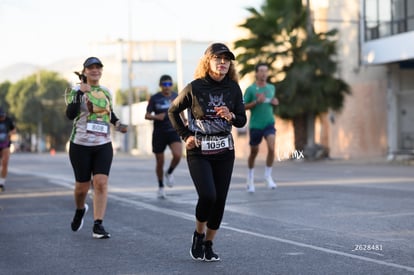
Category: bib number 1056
[212,145]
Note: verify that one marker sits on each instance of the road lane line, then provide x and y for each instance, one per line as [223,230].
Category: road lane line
[186,216]
[326,250]
[62,181]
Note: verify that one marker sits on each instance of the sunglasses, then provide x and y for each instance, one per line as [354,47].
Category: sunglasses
[166,84]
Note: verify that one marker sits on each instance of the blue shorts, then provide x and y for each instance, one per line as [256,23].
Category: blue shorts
[256,135]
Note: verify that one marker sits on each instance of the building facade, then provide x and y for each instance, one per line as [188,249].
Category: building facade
[387,29]
[376,60]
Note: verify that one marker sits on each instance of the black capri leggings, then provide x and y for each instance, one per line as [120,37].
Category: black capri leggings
[90,160]
[211,175]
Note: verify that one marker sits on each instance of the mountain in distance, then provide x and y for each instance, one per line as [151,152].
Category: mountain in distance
[15,72]
[18,71]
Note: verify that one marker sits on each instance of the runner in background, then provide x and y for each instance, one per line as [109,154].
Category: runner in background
[164,134]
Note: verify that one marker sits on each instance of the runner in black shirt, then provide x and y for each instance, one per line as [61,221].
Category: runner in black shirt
[214,103]
[164,134]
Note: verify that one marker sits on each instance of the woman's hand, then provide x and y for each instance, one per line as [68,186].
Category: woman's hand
[224,112]
[84,87]
[191,142]
[123,128]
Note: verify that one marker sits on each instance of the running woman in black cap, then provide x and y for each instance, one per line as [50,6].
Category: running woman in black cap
[90,151]
[164,134]
[214,103]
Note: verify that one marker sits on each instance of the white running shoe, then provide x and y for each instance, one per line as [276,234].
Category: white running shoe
[169,179]
[270,183]
[250,185]
[161,193]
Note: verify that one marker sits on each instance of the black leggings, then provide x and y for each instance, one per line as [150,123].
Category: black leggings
[90,160]
[211,175]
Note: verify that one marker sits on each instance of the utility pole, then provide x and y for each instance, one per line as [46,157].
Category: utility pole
[39,122]
[310,123]
[130,77]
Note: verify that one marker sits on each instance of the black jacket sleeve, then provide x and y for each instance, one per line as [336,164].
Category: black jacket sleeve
[73,108]
[180,103]
[114,118]
[239,110]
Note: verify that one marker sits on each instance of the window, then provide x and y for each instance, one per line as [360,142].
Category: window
[398,16]
[387,17]
[371,20]
[410,15]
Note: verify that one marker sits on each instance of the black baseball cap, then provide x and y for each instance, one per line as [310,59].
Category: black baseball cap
[91,61]
[219,48]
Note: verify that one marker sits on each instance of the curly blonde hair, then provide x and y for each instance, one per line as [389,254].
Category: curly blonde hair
[203,68]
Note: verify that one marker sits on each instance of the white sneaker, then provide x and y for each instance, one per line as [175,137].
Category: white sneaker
[270,183]
[169,179]
[161,193]
[250,185]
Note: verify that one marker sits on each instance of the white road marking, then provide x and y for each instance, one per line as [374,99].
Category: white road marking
[68,183]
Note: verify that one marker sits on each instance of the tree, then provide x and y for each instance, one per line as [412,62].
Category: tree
[4,89]
[38,104]
[302,63]
[121,97]
[138,94]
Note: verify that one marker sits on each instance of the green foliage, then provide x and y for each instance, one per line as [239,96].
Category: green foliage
[138,95]
[271,32]
[310,85]
[4,89]
[39,99]
[302,63]
[121,98]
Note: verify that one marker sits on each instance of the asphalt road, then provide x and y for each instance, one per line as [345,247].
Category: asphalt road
[330,217]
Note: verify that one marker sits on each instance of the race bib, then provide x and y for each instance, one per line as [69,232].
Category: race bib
[98,128]
[214,144]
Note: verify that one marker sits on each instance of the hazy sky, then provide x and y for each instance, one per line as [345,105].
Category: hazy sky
[44,31]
